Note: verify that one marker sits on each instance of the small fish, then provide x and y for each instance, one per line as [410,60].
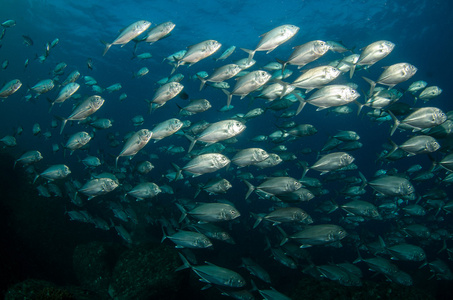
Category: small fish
[27,40]
[10,88]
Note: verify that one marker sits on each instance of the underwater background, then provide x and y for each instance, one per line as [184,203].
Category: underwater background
[46,253]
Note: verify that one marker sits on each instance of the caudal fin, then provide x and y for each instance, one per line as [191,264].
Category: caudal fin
[251,54]
[107,47]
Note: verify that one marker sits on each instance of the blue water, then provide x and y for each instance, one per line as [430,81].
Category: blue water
[421,31]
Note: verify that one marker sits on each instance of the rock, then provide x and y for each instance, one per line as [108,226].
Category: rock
[146,272]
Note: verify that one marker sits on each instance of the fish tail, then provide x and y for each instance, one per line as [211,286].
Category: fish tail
[302,103]
[283,63]
[228,95]
[183,211]
[185,262]
[250,52]
[285,236]
[63,124]
[251,188]
[116,162]
[372,85]
[192,142]
[364,181]
[36,177]
[359,257]
[351,70]
[165,235]
[360,105]
[107,47]
[203,81]
[394,147]
[258,220]
[397,122]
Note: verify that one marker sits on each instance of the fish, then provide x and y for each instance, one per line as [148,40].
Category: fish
[422,118]
[316,77]
[255,269]
[226,53]
[98,186]
[249,156]
[247,84]
[215,186]
[212,274]
[77,140]
[54,172]
[9,23]
[204,163]
[10,88]
[315,235]
[29,157]
[273,38]
[329,96]
[210,212]
[135,143]
[337,47]
[197,52]
[165,129]
[90,63]
[390,185]
[305,53]
[66,92]
[274,186]
[165,93]
[429,93]
[72,77]
[331,162]
[43,86]
[144,190]
[362,208]
[372,53]
[195,106]
[393,75]
[285,215]
[188,239]
[85,109]
[159,32]
[217,132]
[27,40]
[140,73]
[420,144]
[128,34]
[220,74]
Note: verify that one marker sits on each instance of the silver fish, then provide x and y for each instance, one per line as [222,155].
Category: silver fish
[98,186]
[220,74]
[273,38]
[249,156]
[329,96]
[159,32]
[275,186]
[43,86]
[213,274]
[425,117]
[144,190]
[306,53]
[286,215]
[197,52]
[392,186]
[217,132]
[316,77]
[188,239]
[66,92]
[54,172]
[135,143]
[248,83]
[393,75]
[10,88]
[29,157]
[166,92]
[373,53]
[85,109]
[318,235]
[77,140]
[226,53]
[211,212]
[331,162]
[128,34]
[165,129]
[206,163]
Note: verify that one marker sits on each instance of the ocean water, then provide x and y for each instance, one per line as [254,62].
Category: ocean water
[39,231]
